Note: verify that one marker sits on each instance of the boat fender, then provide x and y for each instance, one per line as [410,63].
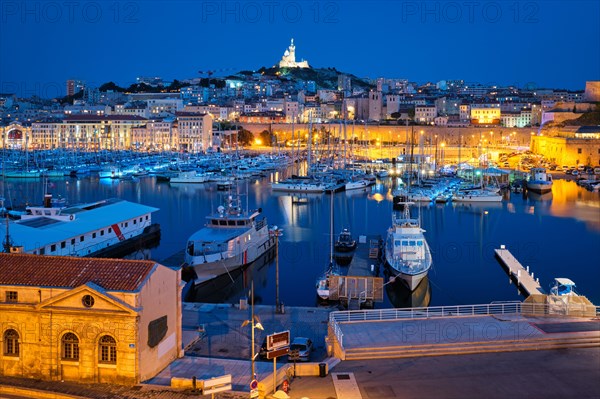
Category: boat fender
[71,217]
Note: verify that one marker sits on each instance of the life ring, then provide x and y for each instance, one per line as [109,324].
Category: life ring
[71,217]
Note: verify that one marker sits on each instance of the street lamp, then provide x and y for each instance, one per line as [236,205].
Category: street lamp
[277,232]
[255,323]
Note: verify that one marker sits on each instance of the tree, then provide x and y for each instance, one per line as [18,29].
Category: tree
[111,86]
[245,137]
[265,137]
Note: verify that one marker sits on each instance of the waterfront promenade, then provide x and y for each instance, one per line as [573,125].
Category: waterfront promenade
[217,345]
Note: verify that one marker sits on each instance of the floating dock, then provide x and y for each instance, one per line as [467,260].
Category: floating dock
[361,286]
[526,283]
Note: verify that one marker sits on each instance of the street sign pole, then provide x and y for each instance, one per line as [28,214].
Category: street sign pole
[274,375]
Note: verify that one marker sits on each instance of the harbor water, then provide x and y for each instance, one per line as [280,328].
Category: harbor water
[556,235]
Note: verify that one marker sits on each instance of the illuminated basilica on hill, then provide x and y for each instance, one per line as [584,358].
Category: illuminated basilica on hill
[289,59]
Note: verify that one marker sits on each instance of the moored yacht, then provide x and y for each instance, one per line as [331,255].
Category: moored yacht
[231,238]
[539,181]
[407,253]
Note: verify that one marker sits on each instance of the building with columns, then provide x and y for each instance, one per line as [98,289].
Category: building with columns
[88,320]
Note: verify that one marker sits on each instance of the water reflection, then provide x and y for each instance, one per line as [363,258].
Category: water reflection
[402,297]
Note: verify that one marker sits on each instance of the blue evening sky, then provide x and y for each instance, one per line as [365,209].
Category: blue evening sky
[544,43]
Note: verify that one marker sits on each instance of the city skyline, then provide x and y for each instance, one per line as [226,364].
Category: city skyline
[495,43]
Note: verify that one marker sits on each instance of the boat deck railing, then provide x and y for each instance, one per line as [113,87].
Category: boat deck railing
[502,308]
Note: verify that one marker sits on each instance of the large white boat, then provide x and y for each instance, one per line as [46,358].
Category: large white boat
[407,253]
[539,181]
[79,230]
[231,238]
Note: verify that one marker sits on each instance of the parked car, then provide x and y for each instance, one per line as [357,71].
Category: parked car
[304,347]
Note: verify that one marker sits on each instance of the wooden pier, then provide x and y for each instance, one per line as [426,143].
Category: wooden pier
[361,285]
[526,283]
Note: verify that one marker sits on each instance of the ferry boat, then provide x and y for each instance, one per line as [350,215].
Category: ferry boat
[407,253]
[231,238]
[79,230]
[539,181]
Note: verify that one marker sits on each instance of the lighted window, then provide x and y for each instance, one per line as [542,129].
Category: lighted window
[12,296]
[70,347]
[107,350]
[11,343]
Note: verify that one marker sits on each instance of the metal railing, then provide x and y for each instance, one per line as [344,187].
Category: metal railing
[503,308]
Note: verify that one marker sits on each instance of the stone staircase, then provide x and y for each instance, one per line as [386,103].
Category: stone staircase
[560,341]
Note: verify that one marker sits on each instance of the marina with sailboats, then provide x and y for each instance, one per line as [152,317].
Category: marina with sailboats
[305,246]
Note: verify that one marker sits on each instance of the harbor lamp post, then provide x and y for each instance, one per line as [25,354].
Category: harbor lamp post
[255,323]
[277,232]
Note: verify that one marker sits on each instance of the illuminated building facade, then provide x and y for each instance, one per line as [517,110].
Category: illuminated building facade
[88,320]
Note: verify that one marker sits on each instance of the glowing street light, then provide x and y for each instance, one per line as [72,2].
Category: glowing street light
[255,322]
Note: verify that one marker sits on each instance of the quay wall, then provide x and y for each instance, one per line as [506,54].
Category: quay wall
[465,136]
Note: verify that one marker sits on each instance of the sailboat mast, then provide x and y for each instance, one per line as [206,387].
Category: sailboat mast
[331,231]
[309,147]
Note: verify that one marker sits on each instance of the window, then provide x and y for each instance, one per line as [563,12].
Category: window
[70,347]
[52,247]
[110,230]
[73,241]
[11,343]
[134,221]
[107,350]
[93,235]
[63,244]
[101,232]
[81,238]
[12,296]
[579,150]
[88,301]
[157,329]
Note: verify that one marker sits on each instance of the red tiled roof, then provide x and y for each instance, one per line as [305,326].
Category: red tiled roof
[70,272]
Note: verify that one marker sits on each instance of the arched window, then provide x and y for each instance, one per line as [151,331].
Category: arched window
[107,349]
[11,343]
[70,347]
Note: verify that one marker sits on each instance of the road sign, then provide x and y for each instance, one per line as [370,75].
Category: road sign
[278,340]
[253,384]
[295,355]
[215,385]
[278,352]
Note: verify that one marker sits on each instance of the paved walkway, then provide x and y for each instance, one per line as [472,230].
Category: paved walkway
[445,330]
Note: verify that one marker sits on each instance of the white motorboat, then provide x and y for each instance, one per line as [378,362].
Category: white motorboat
[539,181]
[361,184]
[231,238]
[477,196]
[191,177]
[407,253]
